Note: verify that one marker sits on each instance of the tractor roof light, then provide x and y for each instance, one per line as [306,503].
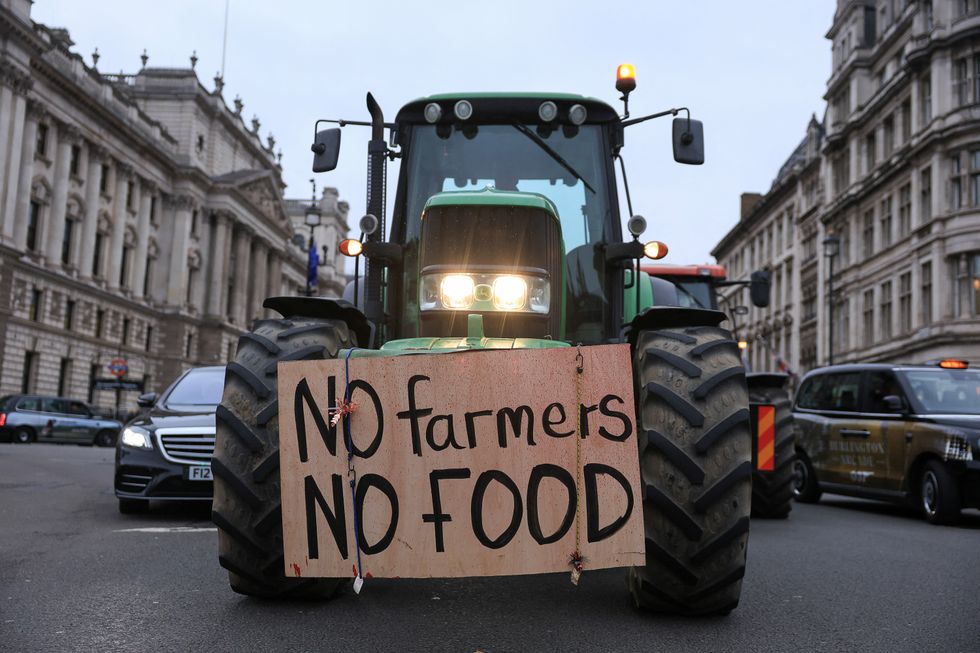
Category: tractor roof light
[351,247]
[548,111]
[463,110]
[577,114]
[625,78]
[655,250]
[432,112]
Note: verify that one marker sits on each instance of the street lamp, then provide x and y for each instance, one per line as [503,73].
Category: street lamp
[831,248]
[312,220]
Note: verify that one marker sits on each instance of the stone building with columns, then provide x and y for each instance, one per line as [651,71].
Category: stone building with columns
[140,218]
[893,173]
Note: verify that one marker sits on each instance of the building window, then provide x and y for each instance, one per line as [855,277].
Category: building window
[147,277]
[842,171]
[886,310]
[97,255]
[149,337]
[129,195]
[926,299]
[66,241]
[868,234]
[925,195]
[960,80]
[886,222]
[153,210]
[926,86]
[76,154]
[125,331]
[33,219]
[37,297]
[956,182]
[975,177]
[905,303]
[127,253]
[904,211]
[64,376]
[191,280]
[41,145]
[188,345]
[888,136]
[975,283]
[194,222]
[69,314]
[99,323]
[843,326]
[906,120]
[930,18]
[809,302]
[30,372]
[870,155]
[869,317]
[104,179]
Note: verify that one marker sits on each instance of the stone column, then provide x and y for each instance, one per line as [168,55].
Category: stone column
[124,172]
[6,118]
[259,274]
[243,249]
[177,286]
[68,135]
[273,281]
[35,113]
[216,262]
[90,222]
[14,168]
[138,264]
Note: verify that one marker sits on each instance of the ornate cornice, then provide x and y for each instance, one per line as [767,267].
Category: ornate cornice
[124,170]
[69,133]
[185,202]
[97,153]
[36,110]
[18,80]
[148,186]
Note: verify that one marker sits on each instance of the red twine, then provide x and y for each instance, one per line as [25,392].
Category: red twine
[343,408]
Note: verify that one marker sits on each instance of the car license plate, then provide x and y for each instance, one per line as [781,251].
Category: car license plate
[200,473]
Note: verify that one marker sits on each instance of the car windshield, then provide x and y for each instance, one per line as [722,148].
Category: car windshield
[566,164]
[947,392]
[200,387]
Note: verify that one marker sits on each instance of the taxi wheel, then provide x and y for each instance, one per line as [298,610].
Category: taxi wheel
[23,435]
[247,506]
[805,486]
[104,439]
[696,470]
[939,494]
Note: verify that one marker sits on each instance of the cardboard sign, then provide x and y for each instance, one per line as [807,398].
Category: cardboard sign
[466,464]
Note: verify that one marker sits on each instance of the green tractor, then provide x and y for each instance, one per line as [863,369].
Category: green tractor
[769,399]
[506,228]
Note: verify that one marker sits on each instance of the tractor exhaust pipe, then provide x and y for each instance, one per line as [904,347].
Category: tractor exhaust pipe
[376,194]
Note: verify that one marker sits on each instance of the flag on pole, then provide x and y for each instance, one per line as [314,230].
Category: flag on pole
[311,269]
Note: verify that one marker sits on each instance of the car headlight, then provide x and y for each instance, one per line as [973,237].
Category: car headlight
[135,437]
[517,293]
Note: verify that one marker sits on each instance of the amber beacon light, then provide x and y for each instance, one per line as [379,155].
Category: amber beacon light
[351,247]
[625,78]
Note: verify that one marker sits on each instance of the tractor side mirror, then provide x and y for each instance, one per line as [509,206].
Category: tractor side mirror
[326,150]
[759,288]
[688,141]
[146,400]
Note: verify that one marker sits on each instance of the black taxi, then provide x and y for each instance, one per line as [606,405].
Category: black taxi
[902,433]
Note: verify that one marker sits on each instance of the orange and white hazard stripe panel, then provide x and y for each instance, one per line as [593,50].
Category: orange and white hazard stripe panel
[766,452]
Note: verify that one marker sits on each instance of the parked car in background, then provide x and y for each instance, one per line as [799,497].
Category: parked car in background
[902,433]
[37,418]
[165,454]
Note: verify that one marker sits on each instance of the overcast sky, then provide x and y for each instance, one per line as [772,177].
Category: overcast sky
[753,71]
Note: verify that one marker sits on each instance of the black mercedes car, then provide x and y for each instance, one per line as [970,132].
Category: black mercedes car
[165,453]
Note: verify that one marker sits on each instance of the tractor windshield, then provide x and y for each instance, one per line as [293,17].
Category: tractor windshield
[567,164]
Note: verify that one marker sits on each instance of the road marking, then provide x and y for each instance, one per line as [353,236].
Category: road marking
[167,529]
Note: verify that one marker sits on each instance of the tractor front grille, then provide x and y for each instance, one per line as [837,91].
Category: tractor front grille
[493,238]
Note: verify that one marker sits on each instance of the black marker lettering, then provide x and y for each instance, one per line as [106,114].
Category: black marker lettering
[549,423]
[583,418]
[476,509]
[450,433]
[592,471]
[609,412]
[336,518]
[363,484]
[437,516]
[516,418]
[471,428]
[413,413]
[328,433]
[364,386]
[538,473]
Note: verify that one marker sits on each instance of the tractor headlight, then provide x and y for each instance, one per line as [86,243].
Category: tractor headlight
[518,293]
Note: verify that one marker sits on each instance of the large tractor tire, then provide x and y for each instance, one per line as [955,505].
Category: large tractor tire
[772,492]
[247,505]
[696,469]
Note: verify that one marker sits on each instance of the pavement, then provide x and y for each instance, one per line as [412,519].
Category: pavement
[75,575]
